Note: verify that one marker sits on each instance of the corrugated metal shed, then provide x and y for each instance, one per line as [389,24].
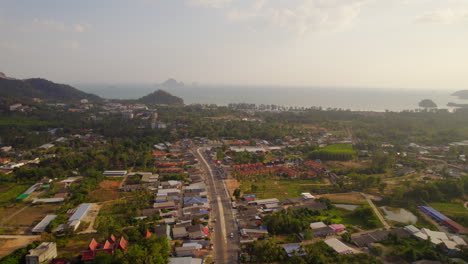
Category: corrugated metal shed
[42,225]
[80,212]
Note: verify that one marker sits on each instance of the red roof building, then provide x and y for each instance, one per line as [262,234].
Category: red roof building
[455,227]
[110,246]
[148,234]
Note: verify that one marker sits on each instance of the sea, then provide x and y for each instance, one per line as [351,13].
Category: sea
[355,99]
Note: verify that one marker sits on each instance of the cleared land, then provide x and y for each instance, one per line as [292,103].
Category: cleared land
[268,188]
[32,215]
[107,190]
[231,185]
[345,198]
[8,244]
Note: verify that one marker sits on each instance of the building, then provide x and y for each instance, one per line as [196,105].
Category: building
[185,251]
[46,146]
[185,260]
[14,107]
[338,246]
[115,173]
[179,232]
[264,201]
[41,226]
[294,249]
[43,253]
[109,247]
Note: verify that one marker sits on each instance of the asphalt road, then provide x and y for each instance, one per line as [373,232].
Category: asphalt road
[225,248]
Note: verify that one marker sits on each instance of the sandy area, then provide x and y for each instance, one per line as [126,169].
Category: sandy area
[8,244]
[232,184]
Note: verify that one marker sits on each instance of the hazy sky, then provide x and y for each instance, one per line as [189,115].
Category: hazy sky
[358,43]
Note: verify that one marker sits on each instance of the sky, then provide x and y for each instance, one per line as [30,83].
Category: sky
[341,43]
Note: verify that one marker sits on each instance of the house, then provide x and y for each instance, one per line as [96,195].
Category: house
[163,230]
[338,227]
[317,225]
[253,233]
[194,200]
[179,232]
[185,251]
[44,252]
[323,231]
[294,249]
[197,232]
[338,246]
[109,247]
[185,260]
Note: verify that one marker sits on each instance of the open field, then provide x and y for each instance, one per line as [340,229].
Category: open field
[456,211]
[268,188]
[8,244]
[345,198]
[71,247]
[107,190]
[10,191]
[32,215]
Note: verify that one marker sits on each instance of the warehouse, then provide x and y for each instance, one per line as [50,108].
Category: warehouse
[339,246]
[42,225]
[115,173]
[80,212]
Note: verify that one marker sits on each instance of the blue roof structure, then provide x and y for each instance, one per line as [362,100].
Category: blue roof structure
[433,213]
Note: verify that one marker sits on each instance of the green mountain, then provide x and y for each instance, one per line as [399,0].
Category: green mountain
[463,94]
[44,89]
[161,97]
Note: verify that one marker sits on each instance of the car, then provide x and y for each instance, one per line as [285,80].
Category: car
[231,235]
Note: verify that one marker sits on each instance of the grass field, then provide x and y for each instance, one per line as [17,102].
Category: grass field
[456,211]
[268,188]
[345,198]
[10,191]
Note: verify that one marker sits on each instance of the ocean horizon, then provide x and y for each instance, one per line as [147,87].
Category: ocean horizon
[356,99]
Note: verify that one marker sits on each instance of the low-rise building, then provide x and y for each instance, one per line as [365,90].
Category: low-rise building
[46,251]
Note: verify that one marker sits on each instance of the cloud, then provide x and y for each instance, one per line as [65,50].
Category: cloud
[51,25]
[446,16]
[300,16]
[210,3]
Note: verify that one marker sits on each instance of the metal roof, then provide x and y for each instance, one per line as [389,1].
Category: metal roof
[80,212]
[42,225]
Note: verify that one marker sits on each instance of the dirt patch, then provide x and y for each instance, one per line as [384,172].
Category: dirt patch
[8,244]
[345,198]
[107,190]
[232,184]
[32,215]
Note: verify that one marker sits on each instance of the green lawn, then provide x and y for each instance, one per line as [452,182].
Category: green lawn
[11,192]
[456,211]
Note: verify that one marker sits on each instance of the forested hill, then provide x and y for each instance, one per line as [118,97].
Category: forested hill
[161,97]
[463,94]
[44,89]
